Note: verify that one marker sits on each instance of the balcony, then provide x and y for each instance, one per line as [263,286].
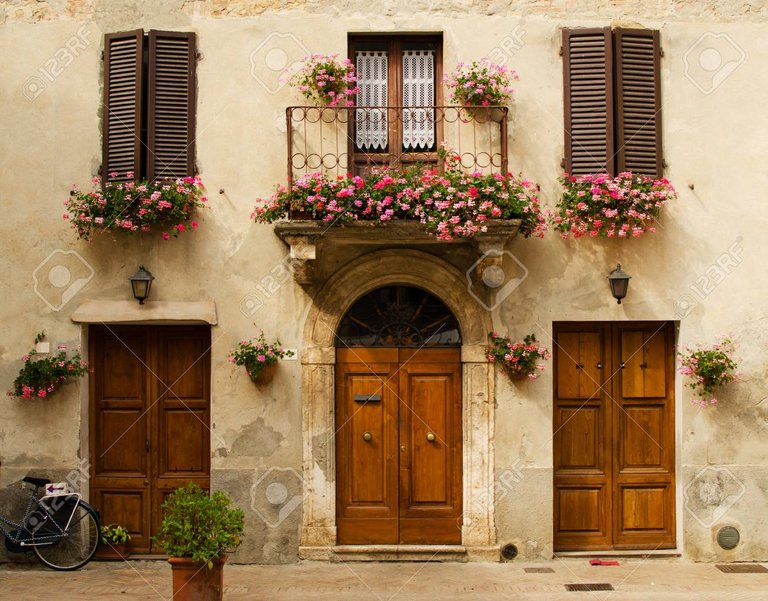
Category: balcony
[341,140]
[336,141]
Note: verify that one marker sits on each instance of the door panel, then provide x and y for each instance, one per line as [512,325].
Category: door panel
[149,421]
[398,487]
[366,402]
[614,436]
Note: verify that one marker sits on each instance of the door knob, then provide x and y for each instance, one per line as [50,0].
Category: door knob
[367,437]
[146,482]
[431,437]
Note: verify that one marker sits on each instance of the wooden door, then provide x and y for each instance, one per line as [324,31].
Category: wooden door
[614,436]
[149,426]
[398,446]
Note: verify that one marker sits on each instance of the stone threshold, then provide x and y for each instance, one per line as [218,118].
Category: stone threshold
[619,553]
[422,553]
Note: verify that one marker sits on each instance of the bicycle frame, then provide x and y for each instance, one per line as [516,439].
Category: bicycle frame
[38,513]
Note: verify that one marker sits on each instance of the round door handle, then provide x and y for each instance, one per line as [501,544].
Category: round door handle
[431,437]
[146,482]
[367,437]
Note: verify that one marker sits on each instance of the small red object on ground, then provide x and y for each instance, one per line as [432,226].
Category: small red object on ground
[603,562]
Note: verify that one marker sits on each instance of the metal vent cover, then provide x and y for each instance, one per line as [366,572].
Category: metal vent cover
[509,551]
[538,570]
[742,568]
[728,537]
[599,586]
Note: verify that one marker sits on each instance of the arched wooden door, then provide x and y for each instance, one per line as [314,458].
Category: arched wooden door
[398,421]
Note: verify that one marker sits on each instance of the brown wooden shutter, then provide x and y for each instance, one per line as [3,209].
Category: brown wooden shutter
[123,56]
[171,104]
[588,80]
[638,101]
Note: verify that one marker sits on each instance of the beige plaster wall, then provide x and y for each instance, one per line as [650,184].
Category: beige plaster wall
[714,149]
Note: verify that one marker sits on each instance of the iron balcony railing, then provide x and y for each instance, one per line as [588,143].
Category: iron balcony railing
[340,140]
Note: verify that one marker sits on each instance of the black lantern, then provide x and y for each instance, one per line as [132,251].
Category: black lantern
[619,282]
[141,282]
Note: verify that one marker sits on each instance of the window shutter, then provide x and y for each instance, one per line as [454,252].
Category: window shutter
[171,104]
[638,101]
[588,81]
[121,136]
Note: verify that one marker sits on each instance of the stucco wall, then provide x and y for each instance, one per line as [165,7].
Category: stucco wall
[714,147]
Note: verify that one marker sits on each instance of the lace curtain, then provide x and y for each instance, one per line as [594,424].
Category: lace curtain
[418,90]
[372,77]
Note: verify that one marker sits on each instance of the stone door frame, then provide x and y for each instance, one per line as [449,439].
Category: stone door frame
[318,362]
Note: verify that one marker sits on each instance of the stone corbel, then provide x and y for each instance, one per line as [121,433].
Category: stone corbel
[303,255]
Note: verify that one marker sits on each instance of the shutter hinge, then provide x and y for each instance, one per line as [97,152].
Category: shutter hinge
[661,51]
[562,162]
[561,51]
[102,55]
[198,55]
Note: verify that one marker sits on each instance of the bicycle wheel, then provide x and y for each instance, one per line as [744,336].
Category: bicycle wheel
[78,544]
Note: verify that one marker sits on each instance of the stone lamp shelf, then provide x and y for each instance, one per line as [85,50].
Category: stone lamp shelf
[306,238]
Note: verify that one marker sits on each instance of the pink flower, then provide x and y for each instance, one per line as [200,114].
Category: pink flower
[166,236]
[261,358]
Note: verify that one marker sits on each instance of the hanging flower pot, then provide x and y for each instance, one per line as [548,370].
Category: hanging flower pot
[259,358]
[41,376]
[262,375]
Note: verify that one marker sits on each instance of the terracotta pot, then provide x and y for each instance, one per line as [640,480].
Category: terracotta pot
[111,551]
[265,375]
[193,581]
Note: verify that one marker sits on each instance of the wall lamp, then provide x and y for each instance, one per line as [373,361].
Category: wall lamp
[619,282]
[141,282]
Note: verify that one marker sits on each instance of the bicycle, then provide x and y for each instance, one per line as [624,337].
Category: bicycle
[61,528]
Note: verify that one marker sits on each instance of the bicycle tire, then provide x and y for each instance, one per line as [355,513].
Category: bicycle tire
[78,545]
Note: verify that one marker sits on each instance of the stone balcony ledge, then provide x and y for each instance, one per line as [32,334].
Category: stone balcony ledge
[306,238]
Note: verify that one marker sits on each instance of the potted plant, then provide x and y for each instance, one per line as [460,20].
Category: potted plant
[480,84]
[197,530]
[259,358]
[40,376]
[709,367]
[129,206]
[517,359]
[326,80]
[613,207]
[114,539]
[450,204]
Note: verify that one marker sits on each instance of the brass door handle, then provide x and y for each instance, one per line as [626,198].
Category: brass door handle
[431,437]
[367,437]
[146,482]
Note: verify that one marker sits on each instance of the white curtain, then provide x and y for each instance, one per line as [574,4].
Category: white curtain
[372,77]
[418,90]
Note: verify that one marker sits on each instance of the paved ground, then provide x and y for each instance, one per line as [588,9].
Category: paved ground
[635,579]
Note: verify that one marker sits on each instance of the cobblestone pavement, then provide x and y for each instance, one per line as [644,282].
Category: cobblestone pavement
[635,579]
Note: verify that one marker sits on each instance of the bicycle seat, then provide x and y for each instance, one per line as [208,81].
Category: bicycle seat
[36,481]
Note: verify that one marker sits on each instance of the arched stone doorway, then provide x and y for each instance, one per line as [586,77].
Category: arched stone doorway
[331,304]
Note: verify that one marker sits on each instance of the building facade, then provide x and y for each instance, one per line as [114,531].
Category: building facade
[376,440]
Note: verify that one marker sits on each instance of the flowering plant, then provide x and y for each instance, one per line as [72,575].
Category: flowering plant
[255,355]
[709,367]
[135,207]
[326,80]
[481,83]
[518,358]
[40,376]
[452,204]
[599,205]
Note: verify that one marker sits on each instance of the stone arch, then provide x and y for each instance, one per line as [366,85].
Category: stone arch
[330,304]
[391,267]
